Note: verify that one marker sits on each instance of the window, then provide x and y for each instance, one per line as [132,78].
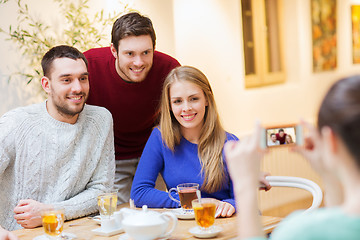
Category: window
[262,38]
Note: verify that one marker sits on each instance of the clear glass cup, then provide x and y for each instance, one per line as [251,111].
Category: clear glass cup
[53,222]
[107,203]
[187,193]
[204,211]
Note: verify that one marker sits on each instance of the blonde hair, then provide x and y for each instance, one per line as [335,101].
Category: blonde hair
[291,140]
[212,136]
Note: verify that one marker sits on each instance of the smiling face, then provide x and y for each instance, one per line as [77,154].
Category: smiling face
[67,88]
[188,104]
[134,57]
[273,137]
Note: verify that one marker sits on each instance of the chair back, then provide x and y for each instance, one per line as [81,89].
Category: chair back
[302,183]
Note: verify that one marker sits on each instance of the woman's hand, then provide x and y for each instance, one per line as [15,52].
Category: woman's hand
[313,152]
[243,159]
[264,184]
[312,147]
[224,209]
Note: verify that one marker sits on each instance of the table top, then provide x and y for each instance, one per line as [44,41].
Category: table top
[82,228]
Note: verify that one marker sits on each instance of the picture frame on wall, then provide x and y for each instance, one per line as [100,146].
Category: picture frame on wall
[355,20]
[324,39]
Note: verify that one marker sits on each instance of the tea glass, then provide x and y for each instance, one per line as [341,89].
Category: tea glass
[107,203]
[53,222]
[187,193]
[204,211]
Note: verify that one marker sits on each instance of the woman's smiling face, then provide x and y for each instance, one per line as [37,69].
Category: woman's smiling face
[188,104]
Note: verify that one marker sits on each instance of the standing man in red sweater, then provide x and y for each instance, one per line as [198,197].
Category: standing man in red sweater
[127,79]
[281,136]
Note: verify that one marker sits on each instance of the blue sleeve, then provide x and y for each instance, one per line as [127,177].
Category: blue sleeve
[151,163]
[231,199]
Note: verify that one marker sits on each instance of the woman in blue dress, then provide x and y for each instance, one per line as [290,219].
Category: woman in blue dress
[187,146]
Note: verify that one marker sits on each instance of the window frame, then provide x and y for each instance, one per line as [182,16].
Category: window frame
[262,76]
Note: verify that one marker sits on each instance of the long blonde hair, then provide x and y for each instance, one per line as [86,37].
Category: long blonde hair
[212,136]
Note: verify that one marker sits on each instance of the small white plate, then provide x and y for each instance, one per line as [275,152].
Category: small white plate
[181,214]
[125,236]
[64,234]
[212,232]
[97,219]
[101,232]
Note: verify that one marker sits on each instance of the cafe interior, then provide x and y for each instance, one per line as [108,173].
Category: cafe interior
[271,61]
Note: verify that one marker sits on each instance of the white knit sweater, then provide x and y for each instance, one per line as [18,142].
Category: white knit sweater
[54,162]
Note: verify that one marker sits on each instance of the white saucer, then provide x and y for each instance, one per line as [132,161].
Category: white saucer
[212,232]
[64,234]
[181,214]
[101,232]
[125,236]
[97,219]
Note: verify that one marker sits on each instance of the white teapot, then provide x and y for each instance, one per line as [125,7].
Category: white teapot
[145,224]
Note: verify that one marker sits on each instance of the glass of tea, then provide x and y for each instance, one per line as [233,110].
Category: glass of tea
[53,222]
[187,193]
[204,211]
[107,203]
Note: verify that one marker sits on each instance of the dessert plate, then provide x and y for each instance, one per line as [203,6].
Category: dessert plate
[211,232]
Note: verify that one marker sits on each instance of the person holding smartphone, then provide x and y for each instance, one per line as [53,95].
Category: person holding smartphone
[333,151]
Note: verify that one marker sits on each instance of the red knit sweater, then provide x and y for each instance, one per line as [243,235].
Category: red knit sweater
[134,106]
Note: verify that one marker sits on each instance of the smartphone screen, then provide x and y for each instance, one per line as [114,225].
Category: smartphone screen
[287,135]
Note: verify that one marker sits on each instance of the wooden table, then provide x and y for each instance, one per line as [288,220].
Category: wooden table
[82,228]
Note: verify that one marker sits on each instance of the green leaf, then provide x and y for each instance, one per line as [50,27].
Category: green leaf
[34,37]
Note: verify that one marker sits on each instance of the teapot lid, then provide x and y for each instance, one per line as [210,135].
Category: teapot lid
[144,218]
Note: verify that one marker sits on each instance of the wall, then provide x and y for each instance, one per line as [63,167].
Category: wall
[14,93]
[218,52]
[161,14]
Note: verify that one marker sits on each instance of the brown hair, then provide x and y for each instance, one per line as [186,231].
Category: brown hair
[340,110]
[132,24]
[61,51]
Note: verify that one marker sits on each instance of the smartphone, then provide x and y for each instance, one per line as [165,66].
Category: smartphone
[281,136]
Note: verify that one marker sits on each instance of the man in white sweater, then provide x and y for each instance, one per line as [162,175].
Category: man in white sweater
[59,152]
